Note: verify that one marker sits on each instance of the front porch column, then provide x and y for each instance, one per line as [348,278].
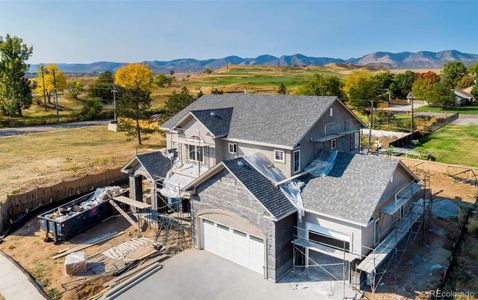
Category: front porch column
[154,196]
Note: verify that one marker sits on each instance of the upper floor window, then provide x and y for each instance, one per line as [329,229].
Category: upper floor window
[195,153]
[296,161]
[232,148]
[279,155]
[333,144]
[331,111]
[357,140]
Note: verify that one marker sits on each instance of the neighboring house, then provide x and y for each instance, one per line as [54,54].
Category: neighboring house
[463,97]
[238,211]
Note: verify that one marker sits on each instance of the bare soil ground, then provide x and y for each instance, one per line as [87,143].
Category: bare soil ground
[422,266]
[463,275]
[46,158]
[443,185]
[28,248]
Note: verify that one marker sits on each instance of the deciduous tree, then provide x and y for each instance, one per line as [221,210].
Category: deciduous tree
[135,76]
[49,79]
[361,88]
[452,72]
[15,90]
[75,88]
[402,84]
[423,85]
[162,80]
[465,81]
[473,71]
[321,85]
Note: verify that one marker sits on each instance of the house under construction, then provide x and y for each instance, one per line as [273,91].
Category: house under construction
[277,183]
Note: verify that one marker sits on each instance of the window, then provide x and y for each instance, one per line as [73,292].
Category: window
[328,240]
[296,161]
[331,112]
[333,144]
[279,155]
[232,148]
[357,140]
[195,153]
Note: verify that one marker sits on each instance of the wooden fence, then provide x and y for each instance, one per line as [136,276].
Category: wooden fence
[406,140]
[17,205]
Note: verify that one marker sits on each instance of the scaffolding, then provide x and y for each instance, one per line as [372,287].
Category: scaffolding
[410,214]
[172,222]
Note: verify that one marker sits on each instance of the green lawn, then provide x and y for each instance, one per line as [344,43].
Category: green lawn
[469,109]
[453,144]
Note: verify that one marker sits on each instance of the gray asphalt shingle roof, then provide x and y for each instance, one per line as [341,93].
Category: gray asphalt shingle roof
[352,189]
[217,121]
[155,163]
[270,196]
[274,119]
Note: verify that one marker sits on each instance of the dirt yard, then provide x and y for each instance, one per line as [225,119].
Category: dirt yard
[463,276]
[443,185]
[421,267]
[45,158]
[50,273]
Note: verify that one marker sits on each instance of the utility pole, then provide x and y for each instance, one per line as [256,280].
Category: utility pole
[114,91]
[56,97]
[411,114]
[370,127]
[43,80]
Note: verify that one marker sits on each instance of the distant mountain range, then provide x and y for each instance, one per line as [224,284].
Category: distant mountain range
[401,60]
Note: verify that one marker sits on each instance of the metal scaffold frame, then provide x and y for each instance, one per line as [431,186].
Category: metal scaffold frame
[172,218]
[400,240]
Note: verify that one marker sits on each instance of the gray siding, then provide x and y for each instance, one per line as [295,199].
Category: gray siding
[340,116]
[223,191]
[400,179]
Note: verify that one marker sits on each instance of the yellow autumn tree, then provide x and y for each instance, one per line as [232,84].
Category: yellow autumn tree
[353,80]
[135,76]
[46,79]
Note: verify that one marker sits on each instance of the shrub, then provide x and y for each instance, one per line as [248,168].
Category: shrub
[91,109]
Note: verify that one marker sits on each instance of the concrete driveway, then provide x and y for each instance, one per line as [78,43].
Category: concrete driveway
[198,274]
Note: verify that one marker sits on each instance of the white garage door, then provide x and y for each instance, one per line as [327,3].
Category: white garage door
[237,246]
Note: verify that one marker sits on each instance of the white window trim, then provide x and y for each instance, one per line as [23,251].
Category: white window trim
[357,140]
[296,151]
[195,153]
[283,156]
[331,111]
[234,146]
[333,142]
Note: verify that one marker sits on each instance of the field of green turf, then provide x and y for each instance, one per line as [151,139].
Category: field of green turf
[262,78]
[453,144]
[470,109]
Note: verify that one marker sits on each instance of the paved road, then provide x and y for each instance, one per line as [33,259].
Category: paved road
[404,108]
[14,284]
[41,128]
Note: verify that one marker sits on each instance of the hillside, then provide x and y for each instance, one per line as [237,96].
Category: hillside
[402,60]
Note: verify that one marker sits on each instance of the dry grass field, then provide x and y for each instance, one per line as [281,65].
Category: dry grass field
[44,158]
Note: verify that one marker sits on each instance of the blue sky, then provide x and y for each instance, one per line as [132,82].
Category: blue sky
[127,31]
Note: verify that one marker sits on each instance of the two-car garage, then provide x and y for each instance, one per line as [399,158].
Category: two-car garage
[235,245]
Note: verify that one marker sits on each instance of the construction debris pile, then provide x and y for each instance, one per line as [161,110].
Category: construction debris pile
[101,195]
